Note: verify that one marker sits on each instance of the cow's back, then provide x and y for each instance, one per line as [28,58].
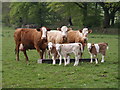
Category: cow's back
[28,37]
[74,36]
[102,47]
[54,36]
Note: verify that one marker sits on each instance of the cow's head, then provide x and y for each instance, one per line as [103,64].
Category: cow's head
[44,32]
[50,46]
[89,46]
[64,30]
[85,32]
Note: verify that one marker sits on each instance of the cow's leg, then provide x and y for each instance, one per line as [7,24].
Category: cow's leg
[68,59]
[77,57]
[48,51]
[26,56]
[65,57]
[60,57]
[17,52]
[53,58]
[44,55]
[96,59]
[102,58]
[38,50]
[91,58]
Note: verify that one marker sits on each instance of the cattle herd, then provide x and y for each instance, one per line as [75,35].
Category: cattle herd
[58,43]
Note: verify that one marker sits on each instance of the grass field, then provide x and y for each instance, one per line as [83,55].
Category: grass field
[19,75]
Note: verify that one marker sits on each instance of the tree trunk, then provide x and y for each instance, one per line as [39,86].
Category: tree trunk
[106,23]
[70,21]
[85,15]
[96,5]
[112,19]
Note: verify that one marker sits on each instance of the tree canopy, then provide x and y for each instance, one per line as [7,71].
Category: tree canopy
[56,14]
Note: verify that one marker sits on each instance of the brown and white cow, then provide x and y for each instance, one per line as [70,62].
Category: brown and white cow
[94,49]
[78,36]
[26,39]
[53,51]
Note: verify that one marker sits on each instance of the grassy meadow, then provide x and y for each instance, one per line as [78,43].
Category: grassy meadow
[19,75]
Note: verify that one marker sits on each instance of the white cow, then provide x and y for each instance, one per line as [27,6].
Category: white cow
[64,50]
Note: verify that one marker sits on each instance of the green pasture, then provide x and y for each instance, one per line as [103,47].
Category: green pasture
[19,75]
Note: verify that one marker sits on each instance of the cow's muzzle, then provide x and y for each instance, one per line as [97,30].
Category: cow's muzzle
[44,38]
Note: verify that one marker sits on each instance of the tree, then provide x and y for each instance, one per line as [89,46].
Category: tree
[5,15]
[110,10]
[29,13]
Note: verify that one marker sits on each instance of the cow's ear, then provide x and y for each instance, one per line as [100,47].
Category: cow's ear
[90,31]
[92,44]
[38,29]
[59,29]
[80,31]
[69,29]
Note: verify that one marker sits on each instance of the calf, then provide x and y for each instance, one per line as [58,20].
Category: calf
[27,39]
[66,49]
[53,51]
[94,49]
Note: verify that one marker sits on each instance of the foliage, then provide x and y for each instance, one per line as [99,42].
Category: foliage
[110,10]
[56,14]
[29,12]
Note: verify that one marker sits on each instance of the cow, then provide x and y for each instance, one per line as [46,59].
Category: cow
[64,50]
[53,51]
[94,49]
[79,36]
[27,39]
[57,36]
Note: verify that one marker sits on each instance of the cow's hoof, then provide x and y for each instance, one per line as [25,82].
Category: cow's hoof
[39,61]
[102,61]
[60,64]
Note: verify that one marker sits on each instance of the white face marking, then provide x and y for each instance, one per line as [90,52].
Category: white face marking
[50,45]
[44,30]
[85,32]
[64,30]
[89,46]
[97,47]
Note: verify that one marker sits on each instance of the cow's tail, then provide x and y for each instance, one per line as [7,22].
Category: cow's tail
[15,51]
[81,47]
[107,46]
